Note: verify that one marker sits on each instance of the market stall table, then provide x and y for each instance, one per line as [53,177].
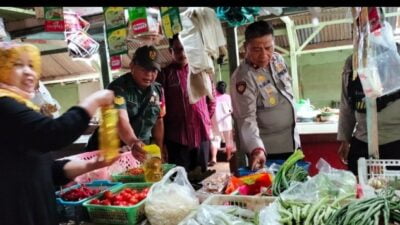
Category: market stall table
[318,140]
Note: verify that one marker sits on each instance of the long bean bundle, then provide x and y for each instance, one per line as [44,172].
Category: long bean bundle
[381,209]
[288,173]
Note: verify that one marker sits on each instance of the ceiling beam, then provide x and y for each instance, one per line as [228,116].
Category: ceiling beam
[292,37]
[327,49]
[69,78]
[315,33]
[285,51]
[332,22]
[18,10]
[54,51]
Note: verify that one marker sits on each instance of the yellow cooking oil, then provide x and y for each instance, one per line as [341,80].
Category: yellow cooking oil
[108,134]
[153,170]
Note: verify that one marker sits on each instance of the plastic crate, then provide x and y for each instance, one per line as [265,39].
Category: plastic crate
[125,215]
[73,210]
[121,177]
[125,162]
[243,171]
[254,203]
[369,168]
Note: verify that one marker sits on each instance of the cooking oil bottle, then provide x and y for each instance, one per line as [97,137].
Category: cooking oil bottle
[153,170]
[108,134]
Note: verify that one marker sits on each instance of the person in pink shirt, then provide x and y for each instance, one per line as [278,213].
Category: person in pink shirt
[187,126]
[221,123]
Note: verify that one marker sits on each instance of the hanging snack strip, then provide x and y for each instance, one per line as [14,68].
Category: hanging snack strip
[80,44]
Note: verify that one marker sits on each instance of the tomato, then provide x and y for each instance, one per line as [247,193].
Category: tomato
[105,202]
[108,194]
[141,196]
[118,198]
[124,203]
[116,203]
[145,190]
[133,200]
[95,201]
[134,191]
[128,190]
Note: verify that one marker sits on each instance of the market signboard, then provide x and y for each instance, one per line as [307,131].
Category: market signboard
[116,31]
[114,17]
[171,21]
[138,20]
[54,19]
[115,62]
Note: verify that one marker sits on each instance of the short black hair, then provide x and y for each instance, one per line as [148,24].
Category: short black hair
[258,29]
[171,40]
[221,87]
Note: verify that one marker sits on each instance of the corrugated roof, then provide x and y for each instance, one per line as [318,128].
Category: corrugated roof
[331,33]
[61,65]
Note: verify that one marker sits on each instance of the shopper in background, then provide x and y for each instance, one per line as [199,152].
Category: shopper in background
[144,109]
[352,130]
[27,170]
[187,126]
[262,100]
[221,124]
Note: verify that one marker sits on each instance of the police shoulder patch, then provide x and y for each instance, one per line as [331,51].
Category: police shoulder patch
[241,87]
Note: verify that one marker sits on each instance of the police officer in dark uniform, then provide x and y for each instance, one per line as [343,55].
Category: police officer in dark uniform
[352,130]
[144,106]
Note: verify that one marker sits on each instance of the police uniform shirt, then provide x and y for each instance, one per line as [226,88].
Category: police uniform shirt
[151,99]
[352,121]
[263,108]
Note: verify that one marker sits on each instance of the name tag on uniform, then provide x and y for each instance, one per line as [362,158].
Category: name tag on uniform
[280,68]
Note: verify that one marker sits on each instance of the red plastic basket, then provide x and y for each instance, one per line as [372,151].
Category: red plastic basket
[125,162]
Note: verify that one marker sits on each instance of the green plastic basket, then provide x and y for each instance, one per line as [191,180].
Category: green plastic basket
[137,178]
[123,215]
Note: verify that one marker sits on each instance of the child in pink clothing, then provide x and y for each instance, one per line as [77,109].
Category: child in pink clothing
[221,123]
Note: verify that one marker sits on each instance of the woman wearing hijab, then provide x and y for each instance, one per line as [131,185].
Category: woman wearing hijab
[27,171]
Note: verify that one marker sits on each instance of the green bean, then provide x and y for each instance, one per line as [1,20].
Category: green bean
[304,211]
[314,209]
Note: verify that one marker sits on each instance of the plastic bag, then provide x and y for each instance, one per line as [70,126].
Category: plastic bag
[329,182]
[270,215]
[213,214]
[171,199]
[380,75]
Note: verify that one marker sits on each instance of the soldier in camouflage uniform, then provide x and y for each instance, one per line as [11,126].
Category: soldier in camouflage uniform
[144,106]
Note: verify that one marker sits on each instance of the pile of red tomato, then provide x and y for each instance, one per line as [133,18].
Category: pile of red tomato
[126,197]
[79,193]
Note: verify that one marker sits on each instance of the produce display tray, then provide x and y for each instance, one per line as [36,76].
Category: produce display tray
[73,210]
[243,171]
[254,203]
[122,177]
[122,215]
[378,168]
[103,185]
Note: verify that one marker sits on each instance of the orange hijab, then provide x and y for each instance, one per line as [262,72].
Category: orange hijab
[9,52]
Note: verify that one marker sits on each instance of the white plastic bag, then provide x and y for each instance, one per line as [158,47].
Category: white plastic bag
[171,199]
[329,182]
[270,215]
[380,75]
